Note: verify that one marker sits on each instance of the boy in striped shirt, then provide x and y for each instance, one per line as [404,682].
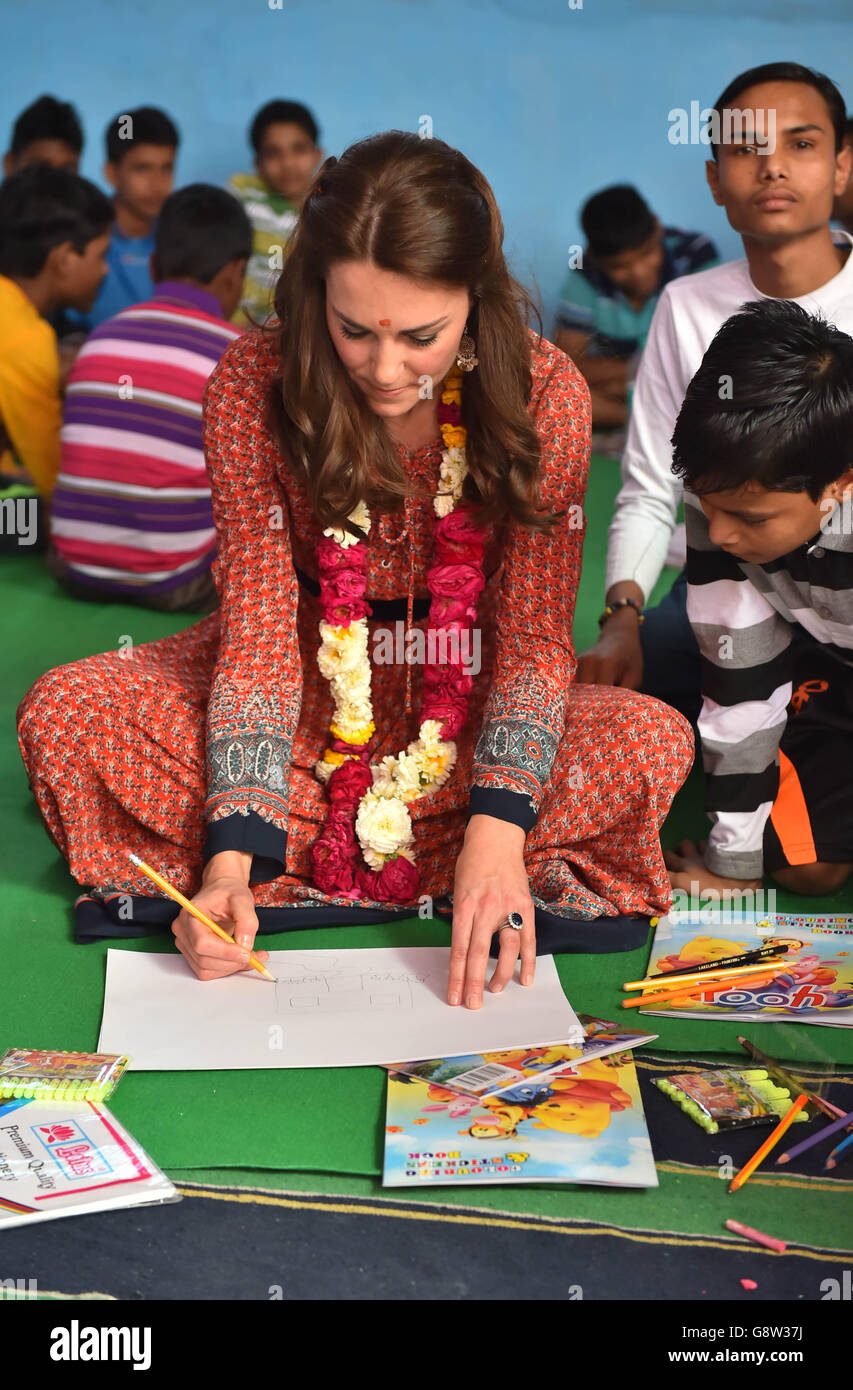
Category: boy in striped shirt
[764,444]
[132,515]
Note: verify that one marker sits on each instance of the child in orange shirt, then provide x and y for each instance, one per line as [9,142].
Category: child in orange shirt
[53,239]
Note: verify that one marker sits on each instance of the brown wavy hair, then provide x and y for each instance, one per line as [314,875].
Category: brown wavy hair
[418,208]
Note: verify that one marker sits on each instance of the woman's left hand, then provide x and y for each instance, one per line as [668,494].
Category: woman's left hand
[491,881]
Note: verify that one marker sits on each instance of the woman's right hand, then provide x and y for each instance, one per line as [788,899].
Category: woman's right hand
[226,898]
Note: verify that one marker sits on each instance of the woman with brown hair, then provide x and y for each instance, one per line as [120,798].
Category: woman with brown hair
[397,457]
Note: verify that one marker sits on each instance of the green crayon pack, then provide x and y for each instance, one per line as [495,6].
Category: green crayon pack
[728,1097]
[29,1074]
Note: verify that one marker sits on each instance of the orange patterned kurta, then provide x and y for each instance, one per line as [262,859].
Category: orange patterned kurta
[214,731]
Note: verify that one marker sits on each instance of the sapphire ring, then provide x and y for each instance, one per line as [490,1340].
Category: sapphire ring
[512,919]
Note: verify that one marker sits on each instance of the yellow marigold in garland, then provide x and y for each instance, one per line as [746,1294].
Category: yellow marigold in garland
[454,436]
[357,734]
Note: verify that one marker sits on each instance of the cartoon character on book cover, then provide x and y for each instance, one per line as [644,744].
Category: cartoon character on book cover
[583,1127]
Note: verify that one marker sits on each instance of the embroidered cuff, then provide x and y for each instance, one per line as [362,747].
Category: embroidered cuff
[503,805]
[249,833]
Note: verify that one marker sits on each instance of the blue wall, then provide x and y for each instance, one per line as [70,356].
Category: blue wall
[550,102]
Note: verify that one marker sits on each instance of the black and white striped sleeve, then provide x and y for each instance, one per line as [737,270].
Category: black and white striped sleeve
[745,646]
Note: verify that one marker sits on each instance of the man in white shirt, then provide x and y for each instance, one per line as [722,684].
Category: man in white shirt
[779,196]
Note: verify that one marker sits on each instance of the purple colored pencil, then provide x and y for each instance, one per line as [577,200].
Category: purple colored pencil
[817,1138]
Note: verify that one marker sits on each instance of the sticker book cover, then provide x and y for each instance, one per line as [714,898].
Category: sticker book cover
[587,1127]
[492,1073]
[814,985]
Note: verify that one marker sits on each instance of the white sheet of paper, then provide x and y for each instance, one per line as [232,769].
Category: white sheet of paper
[328,1009]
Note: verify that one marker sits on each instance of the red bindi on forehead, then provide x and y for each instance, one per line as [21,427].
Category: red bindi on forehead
[384,323]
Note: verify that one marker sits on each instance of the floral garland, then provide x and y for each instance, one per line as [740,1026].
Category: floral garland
[368,804]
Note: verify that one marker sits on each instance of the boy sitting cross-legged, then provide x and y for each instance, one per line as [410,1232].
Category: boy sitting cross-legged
[132,517]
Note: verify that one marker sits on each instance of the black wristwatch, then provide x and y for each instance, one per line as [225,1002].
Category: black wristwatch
[621,603]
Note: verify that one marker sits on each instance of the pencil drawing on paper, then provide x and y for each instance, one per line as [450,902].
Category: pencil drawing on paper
[331,991]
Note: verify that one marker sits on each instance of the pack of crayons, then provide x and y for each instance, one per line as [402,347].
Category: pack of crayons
[728,1097]
[28,1074]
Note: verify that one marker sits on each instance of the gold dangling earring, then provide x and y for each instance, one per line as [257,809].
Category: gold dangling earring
[465,358]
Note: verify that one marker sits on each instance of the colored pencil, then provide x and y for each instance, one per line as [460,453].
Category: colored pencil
[770,1142]
[758,1236]
[680,978]
[745,958]
[197,913]
[832,1161]
[680,996]
[825,1106]
[816,1138]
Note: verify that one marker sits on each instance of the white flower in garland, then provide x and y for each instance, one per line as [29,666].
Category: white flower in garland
[383,825]
[451,477]
[342,648]
[359,517]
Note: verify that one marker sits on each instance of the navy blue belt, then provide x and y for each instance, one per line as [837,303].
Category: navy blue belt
[384,609]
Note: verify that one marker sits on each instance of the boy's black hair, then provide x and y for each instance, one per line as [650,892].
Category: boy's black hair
[615,220]
[787,72]
[47,119]
[281,113]
[40,208]
[147,125]
[200,229]
[771,403]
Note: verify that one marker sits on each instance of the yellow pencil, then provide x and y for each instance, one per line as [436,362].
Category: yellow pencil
[680,996]
[197,913]
[675,979]
[770,1142]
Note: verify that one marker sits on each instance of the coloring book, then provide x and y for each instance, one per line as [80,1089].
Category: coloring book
[814,985]
[492,1073]
[587,1127]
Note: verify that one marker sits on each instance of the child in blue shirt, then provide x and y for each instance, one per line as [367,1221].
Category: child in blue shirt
[607,302]
[141,150]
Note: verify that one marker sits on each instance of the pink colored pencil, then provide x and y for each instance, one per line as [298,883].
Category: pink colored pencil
[758,1236]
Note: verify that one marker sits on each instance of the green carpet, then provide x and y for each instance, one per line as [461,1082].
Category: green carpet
[323,1121]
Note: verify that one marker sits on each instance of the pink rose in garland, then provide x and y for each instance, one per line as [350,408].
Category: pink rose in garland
[451,712]
[398,880]
[460,582]
[444,612]
[446,683]
[339,745]
[453,646]
[334,854]
[332,557]
[344,585]
[349,782]
[459,540]
[342,613]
